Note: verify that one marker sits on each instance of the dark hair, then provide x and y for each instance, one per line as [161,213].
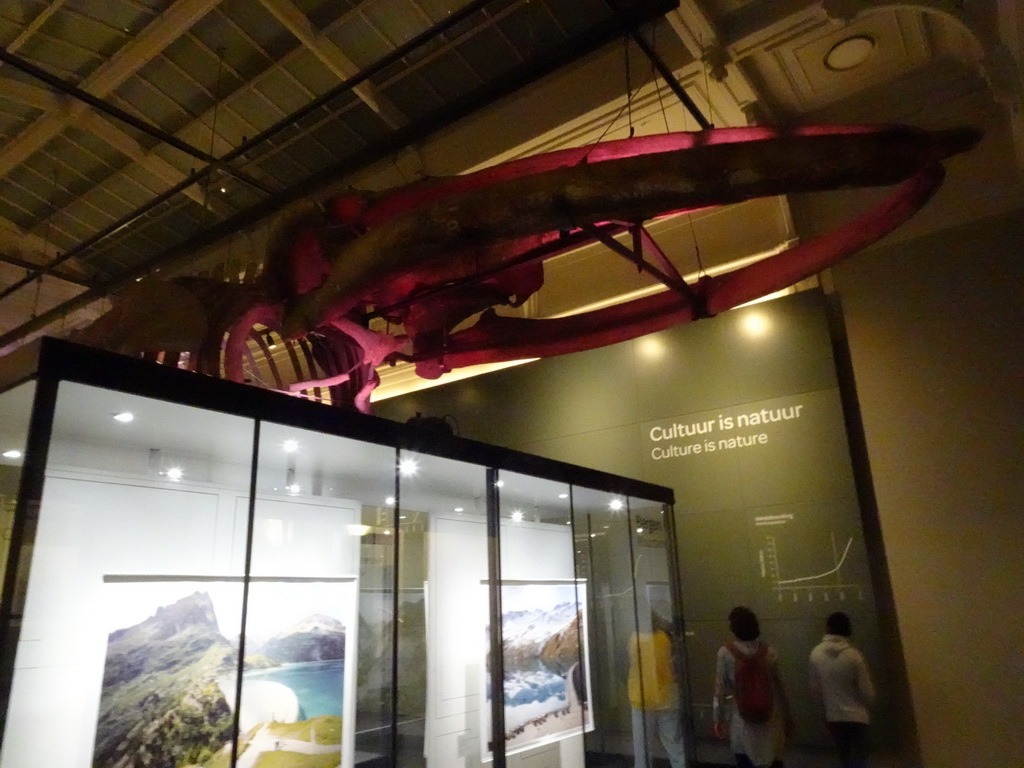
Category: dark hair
[838,623]
[743,623]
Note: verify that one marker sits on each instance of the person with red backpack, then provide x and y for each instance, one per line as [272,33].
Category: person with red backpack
[747,676]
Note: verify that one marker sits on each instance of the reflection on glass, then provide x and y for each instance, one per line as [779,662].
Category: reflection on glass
[132,561]
[320,609]
[655,669]
[444,559]
[544,630]
[15,411]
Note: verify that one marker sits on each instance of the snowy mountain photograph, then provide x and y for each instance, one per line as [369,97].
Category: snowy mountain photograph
[546,683]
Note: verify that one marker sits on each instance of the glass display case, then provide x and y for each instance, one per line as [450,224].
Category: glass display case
[202,573]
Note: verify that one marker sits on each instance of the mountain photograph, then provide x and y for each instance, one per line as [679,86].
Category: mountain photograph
[545,680]
[170,680]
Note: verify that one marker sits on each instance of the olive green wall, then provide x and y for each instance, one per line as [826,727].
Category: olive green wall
[742,415]
[935,334]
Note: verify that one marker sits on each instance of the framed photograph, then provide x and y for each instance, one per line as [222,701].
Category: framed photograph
[547,688]
[170,678]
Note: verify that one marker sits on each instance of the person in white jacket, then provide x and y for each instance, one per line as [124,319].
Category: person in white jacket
[841,682]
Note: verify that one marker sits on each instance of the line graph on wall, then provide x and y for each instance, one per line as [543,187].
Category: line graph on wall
[800,565]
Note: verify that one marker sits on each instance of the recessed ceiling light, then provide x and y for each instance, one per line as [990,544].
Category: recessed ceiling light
[460,509]
[615,505]
[175,473]
[849,53]
[390,501]
[12,454]
[290,446]
[408,467]
[124,417]
[563,495]
[517,515]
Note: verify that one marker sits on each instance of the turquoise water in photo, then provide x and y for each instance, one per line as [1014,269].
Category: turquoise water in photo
[319,685]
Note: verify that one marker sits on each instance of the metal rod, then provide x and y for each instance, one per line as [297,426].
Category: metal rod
[665,72]
[126,117]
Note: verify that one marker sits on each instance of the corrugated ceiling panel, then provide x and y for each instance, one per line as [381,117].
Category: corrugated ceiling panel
[9,207]
[17,16]
[282,92]
[59,57]
[84,32]
[359,40]
[191,99]
[147,100]
[204,66]
[260,26]
[413,96]
[449,75]
[14,117]
[313,75]
[398,20]
[324,13]
[101,152]
[254,109]
[532,28]
[219,34]
[128,16]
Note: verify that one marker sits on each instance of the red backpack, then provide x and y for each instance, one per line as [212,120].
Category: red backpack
[754,698]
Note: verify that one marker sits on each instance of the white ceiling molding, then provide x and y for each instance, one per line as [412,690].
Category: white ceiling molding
[728,88]
[995,29]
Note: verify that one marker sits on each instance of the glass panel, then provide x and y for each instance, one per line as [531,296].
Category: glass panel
[604,558]
[544,622]
[440,713]
[133,606]
[15,412]
[319,620]
[656,651]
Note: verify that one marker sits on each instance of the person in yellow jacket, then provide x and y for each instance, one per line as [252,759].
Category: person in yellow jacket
[654,694]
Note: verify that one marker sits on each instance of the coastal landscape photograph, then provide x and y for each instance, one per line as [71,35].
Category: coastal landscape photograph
[170,680]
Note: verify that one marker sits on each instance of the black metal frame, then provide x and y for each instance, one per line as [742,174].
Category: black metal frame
[60,360]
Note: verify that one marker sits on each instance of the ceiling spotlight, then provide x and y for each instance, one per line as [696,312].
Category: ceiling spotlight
[517,515]
[124,417]
[12,454]
[639,530]
[849,53]
[460,509]
[390,501]
[563,495]
[290,446]
[175,473]
[408,467]
[294,488]
[500,484]
[615,505]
